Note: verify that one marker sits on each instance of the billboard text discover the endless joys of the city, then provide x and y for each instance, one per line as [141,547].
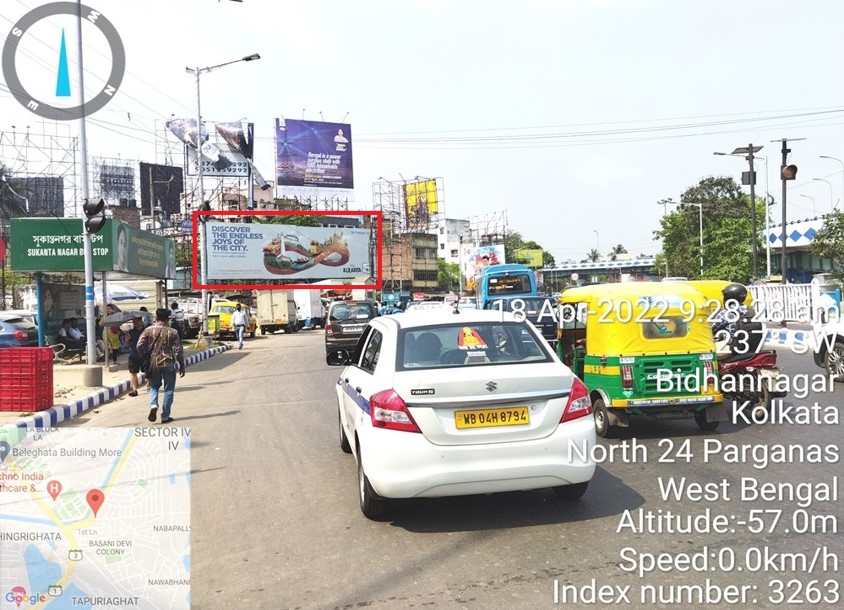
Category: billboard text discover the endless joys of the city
[286,252]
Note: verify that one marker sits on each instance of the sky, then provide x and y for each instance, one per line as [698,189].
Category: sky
[574,116]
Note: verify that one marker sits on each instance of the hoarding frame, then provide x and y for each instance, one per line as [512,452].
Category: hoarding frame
[216,213]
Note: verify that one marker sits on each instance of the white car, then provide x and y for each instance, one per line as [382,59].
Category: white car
[448,404]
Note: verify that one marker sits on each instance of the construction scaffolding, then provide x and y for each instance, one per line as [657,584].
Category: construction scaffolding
[44,157]
[489,229]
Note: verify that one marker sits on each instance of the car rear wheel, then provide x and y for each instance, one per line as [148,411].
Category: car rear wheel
[834,361]
[602,418]
[344,440]
[571,492]
[371,505]
[706,426]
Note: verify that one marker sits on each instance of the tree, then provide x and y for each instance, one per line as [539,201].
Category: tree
[727,249]
[619,249]
[829,242]
[514,242]
[448,275]
[593,256]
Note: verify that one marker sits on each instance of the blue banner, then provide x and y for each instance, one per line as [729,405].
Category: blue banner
[314,154]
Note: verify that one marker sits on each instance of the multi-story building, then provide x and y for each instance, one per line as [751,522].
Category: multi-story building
[409,262]
[449,233]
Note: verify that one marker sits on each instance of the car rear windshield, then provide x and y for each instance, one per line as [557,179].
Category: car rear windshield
[352,311]
[17,324]
[474,344]
[222,309]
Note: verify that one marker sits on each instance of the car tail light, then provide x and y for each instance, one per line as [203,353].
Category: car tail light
[20,335]
[627,377]
[388,411]
[329,329]
[579,403]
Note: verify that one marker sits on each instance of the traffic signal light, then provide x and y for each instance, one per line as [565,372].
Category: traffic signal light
[789,172]
[95,218]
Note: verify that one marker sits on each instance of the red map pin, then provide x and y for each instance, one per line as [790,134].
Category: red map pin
[95,499]
[54,488]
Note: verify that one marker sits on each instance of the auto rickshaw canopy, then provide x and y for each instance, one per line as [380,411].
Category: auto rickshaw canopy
[639,318]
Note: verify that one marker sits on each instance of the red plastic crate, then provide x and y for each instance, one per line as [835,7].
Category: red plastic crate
[26,378]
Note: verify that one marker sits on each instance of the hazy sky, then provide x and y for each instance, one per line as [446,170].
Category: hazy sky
[575,116]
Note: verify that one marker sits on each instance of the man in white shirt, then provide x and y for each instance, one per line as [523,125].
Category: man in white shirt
[75,333]
[239,321]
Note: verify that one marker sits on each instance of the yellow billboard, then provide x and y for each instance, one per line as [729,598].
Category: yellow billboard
[420,201]
[530,257]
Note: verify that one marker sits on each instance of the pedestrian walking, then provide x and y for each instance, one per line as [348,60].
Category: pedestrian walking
[163,345]
[239,320]
[132,338]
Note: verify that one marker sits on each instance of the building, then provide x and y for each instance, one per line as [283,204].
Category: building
[409,262]
[449,233]
[801,264]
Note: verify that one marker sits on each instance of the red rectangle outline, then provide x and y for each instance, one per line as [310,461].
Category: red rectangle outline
[378,257]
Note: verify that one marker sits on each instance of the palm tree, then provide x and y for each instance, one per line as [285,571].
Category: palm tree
[593,256]
[619,249]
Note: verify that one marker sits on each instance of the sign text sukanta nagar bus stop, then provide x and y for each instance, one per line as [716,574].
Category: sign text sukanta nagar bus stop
[56,244]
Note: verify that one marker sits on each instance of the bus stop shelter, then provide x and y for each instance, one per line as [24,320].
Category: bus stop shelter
[55,245]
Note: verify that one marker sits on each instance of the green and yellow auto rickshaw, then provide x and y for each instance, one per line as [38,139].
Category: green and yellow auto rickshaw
[642,348]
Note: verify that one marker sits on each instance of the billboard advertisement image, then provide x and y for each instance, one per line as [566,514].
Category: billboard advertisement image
[476,258]
[314,154]
[286,252]
[420,202]
[226,148]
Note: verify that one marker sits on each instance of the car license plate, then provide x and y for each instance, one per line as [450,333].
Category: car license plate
[485,418]
[352,329]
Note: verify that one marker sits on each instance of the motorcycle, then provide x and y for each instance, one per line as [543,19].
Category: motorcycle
[751,382]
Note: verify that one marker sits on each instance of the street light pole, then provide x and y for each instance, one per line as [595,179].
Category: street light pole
[700,225]
[203,236]
[842,168]
[829,184]
[598,237]
[814,209]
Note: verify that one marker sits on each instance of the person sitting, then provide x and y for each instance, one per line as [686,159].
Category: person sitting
[74,330]
[428,347]
[66,337]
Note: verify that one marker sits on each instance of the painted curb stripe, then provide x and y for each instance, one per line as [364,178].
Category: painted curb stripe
[57,413]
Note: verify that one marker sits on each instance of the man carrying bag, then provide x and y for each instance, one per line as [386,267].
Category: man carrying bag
[166,356]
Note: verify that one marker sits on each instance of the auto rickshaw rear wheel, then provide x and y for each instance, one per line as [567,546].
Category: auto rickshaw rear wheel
[703,424]
[602,418]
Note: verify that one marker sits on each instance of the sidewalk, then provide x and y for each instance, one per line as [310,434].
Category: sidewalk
[71,398]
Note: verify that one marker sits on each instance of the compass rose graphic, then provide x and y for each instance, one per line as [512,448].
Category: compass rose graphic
[63,89]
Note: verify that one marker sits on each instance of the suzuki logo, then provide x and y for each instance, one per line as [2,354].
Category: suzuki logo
[491,386]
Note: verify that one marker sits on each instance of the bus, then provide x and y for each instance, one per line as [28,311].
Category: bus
[504,281]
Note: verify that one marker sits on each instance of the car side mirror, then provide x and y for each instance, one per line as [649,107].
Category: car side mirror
[338,357]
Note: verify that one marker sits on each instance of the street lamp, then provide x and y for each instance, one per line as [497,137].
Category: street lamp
[598,237]
[202,230]
[842,167]
[829,184]
[814,209]
[750,150]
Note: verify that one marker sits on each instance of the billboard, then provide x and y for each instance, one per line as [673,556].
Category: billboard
[314,154]
[530,257]
[420,202]
[116,182]
[56,244]
[289,253]
[226,148]
[477,257]
[161,186]
[45,194]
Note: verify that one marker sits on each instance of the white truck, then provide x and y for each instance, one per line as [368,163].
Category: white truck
[309,308]
[277,311]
